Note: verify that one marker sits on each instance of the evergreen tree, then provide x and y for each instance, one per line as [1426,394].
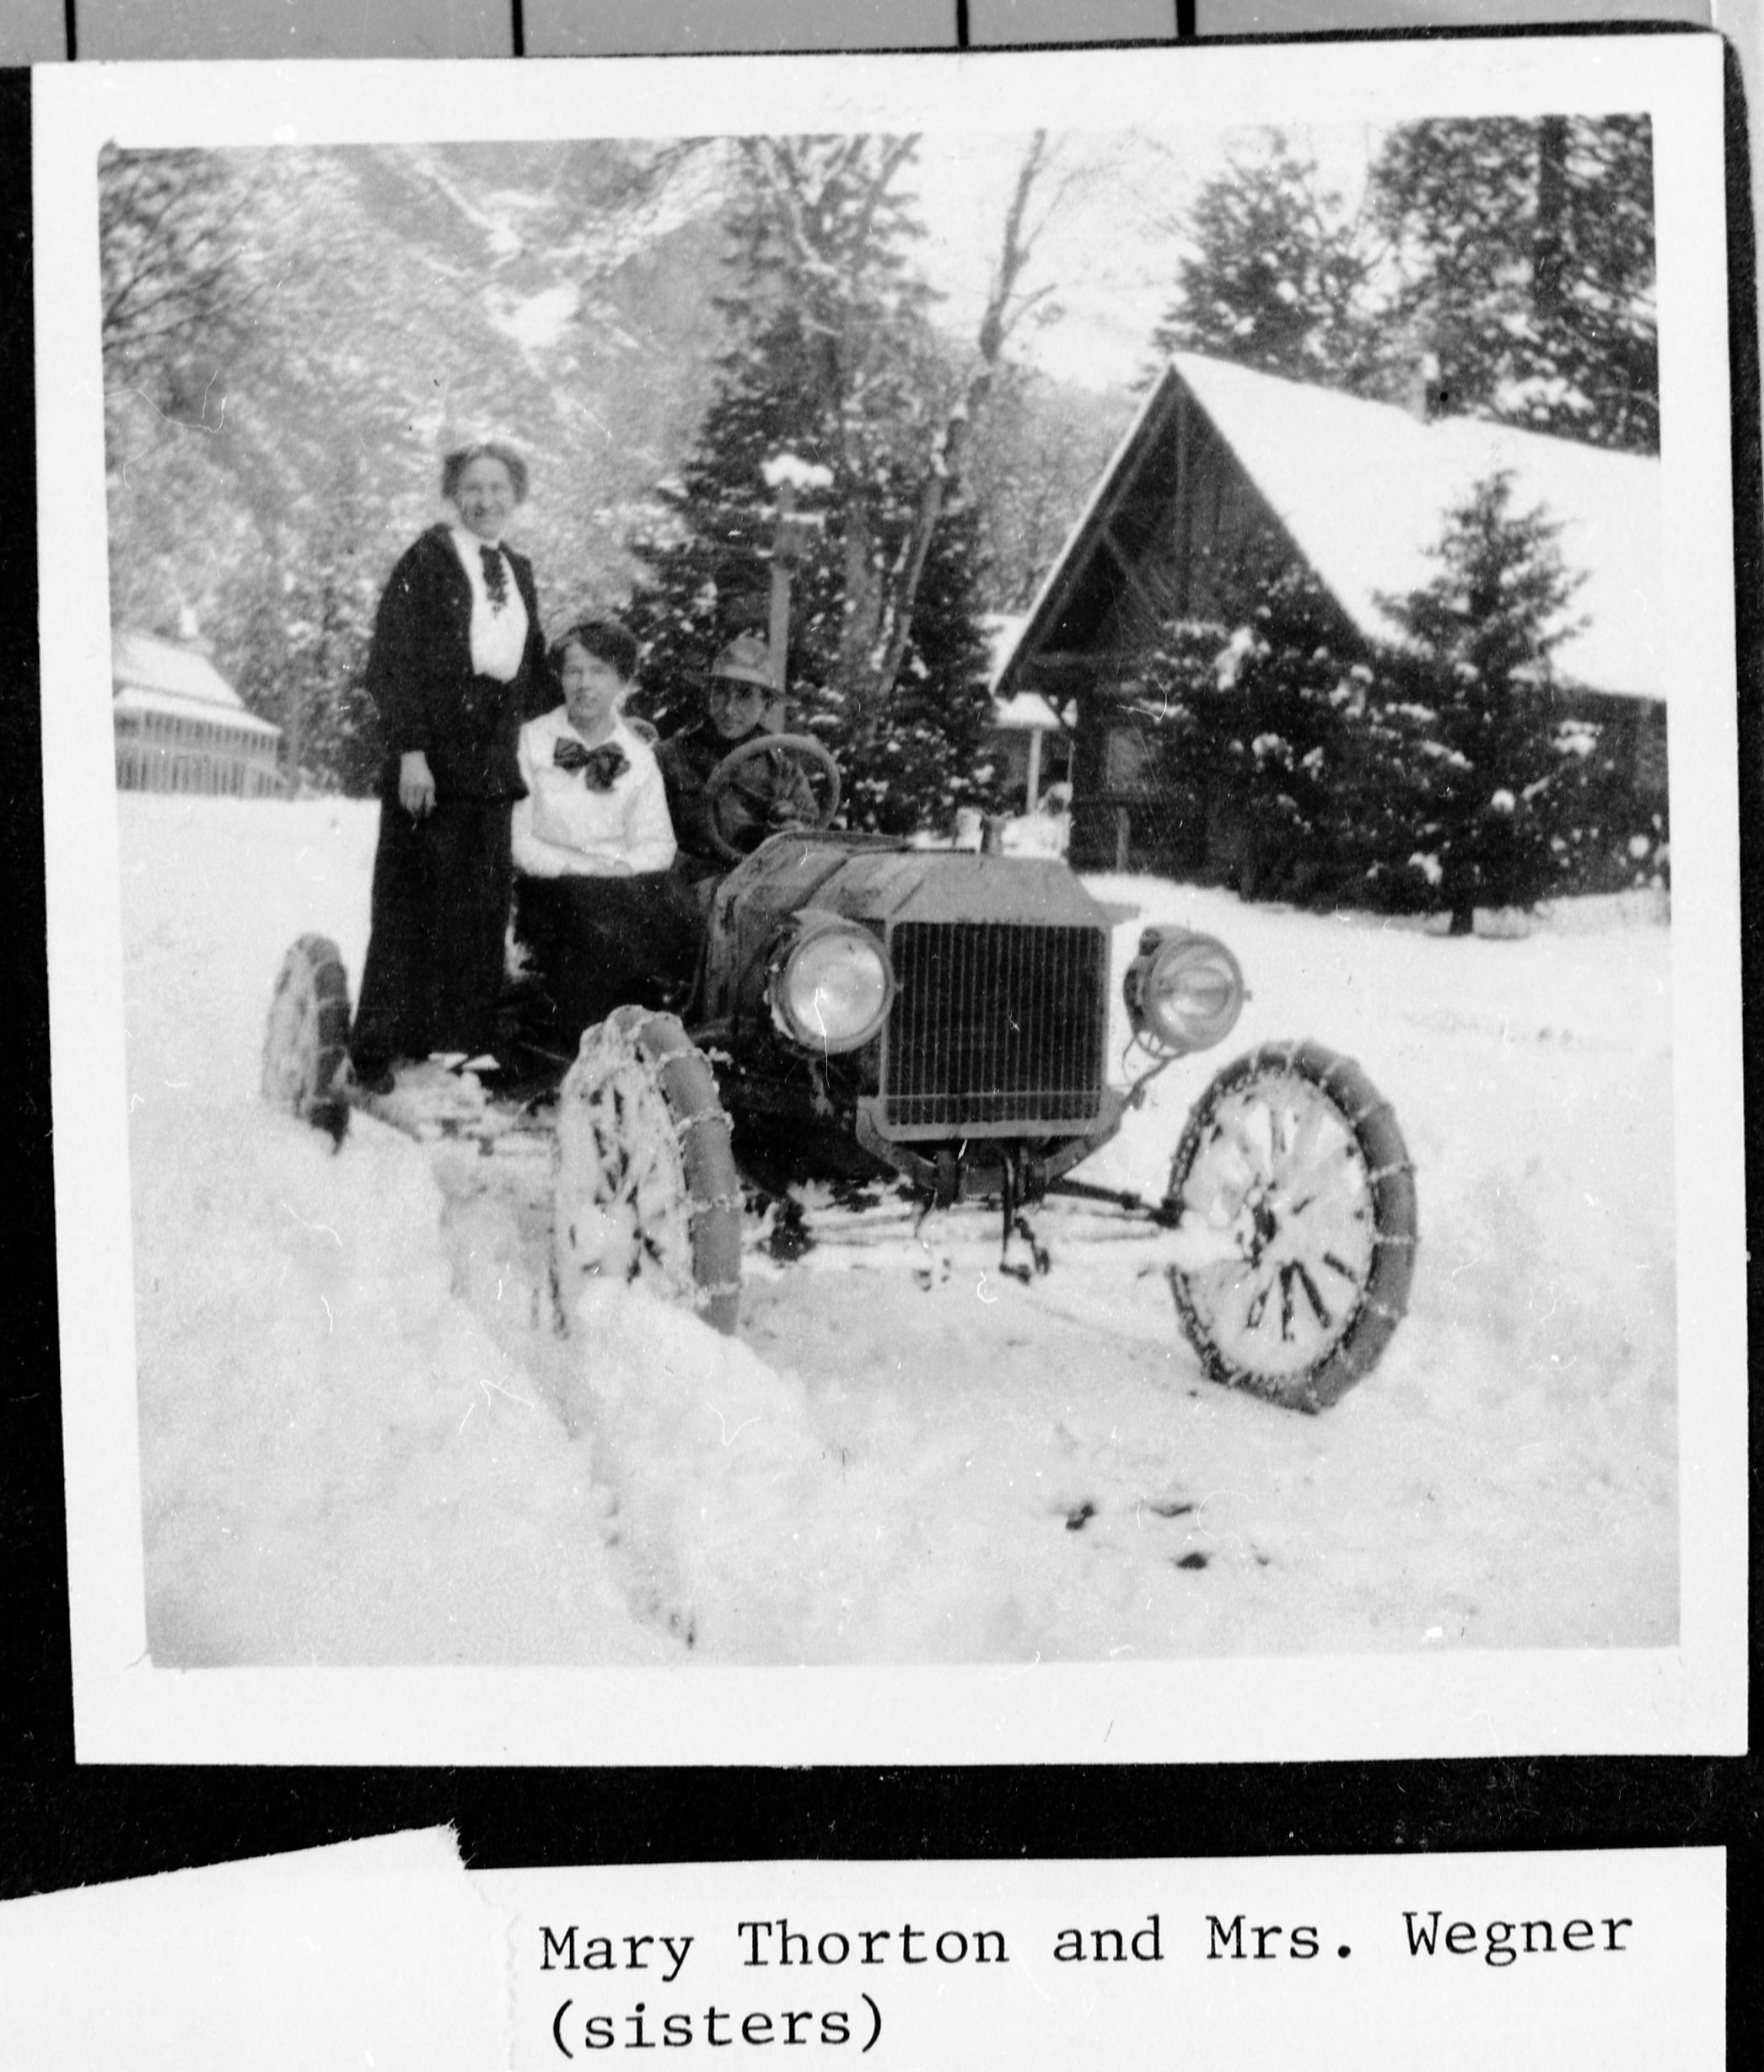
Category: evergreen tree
[296,649]
[1253,734]
[1485,776]
[1279,276]
[834,366]
[1509,262]
[1525,253]
[1286,763]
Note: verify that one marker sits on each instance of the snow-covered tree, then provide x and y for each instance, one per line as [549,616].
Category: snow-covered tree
[175,291]
[1288,762]
[1250,734]
[1486,774]
[834,366]
[1523,252]
[1278,274]
[1507,263]
[293,337]
[298,651]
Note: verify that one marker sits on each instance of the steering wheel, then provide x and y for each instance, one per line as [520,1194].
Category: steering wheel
[810,759]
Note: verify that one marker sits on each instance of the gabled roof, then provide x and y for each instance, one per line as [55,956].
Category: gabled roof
[1001,632]
[150,674]
[1027,713]
[145,662]
[1363,489]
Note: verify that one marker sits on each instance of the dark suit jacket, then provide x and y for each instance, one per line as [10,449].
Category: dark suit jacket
[420,678]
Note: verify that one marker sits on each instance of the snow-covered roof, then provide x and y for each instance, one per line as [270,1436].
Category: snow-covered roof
[1000,631]
[1024,713]
[1364,489]
[134,699]
[145,662]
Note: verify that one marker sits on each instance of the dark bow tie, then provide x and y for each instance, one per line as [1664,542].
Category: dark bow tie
[496,576]
[601,768]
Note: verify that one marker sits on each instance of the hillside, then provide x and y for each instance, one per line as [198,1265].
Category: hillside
[384,303]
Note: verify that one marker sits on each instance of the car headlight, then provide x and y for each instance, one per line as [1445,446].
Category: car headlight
[1184,992]
[832,988]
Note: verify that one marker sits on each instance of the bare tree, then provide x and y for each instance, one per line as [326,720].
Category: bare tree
[1006,306]
[173,295]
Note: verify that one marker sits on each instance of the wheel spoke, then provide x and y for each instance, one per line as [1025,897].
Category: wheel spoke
[1319,1308]
[1314,1150]
[634,1177]
[1274,1162]
[1221,1177]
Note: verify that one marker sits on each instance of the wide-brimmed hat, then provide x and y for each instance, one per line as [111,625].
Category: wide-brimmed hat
[745,660]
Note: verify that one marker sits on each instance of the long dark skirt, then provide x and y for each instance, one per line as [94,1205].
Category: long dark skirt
[602,943]
[442,886]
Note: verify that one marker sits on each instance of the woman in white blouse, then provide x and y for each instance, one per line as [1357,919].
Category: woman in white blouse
[596,906]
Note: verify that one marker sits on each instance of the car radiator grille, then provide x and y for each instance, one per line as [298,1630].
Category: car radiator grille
[995,1024]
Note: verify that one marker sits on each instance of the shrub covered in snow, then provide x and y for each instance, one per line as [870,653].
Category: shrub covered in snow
[1283,762]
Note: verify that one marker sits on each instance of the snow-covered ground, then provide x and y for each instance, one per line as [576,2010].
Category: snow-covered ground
[362,1442]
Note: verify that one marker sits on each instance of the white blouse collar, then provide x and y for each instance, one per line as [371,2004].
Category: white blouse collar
[469,545]
[620,733]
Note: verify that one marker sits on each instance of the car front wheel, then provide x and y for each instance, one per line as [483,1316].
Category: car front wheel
[646,1186]
[1293,1199]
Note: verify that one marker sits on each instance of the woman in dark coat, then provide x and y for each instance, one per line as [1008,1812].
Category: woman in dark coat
[456,663]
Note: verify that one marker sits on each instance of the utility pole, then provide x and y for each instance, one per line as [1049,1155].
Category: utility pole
[790,538]
[786,551]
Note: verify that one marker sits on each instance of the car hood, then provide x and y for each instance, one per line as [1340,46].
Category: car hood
[888,887]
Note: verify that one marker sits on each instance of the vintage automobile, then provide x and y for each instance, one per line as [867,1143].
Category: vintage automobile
[865,1006]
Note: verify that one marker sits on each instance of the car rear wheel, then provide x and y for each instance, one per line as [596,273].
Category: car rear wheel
[646,1186]
[1293,1201]
[306,1045]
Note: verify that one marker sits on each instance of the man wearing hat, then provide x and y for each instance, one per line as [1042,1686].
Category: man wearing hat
[768,792]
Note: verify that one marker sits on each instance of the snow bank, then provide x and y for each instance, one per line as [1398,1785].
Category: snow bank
[341,1460]
[1533,1080]
[339,1463]
[362,1439]
[715,1469]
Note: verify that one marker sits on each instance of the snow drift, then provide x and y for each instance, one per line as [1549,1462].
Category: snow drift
[363,1440]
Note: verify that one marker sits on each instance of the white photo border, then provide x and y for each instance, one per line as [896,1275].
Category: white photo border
[1689,1698]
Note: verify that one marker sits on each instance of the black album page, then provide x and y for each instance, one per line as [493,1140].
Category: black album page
[895,993]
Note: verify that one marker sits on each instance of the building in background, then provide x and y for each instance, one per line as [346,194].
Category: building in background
[180,726]
[1028,743]
[1029,747]
[1219,462]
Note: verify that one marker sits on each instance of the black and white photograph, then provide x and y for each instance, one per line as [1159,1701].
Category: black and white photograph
[840,885]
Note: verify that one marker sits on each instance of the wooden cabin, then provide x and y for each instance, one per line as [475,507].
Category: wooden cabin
[180,726]
[1227,470]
